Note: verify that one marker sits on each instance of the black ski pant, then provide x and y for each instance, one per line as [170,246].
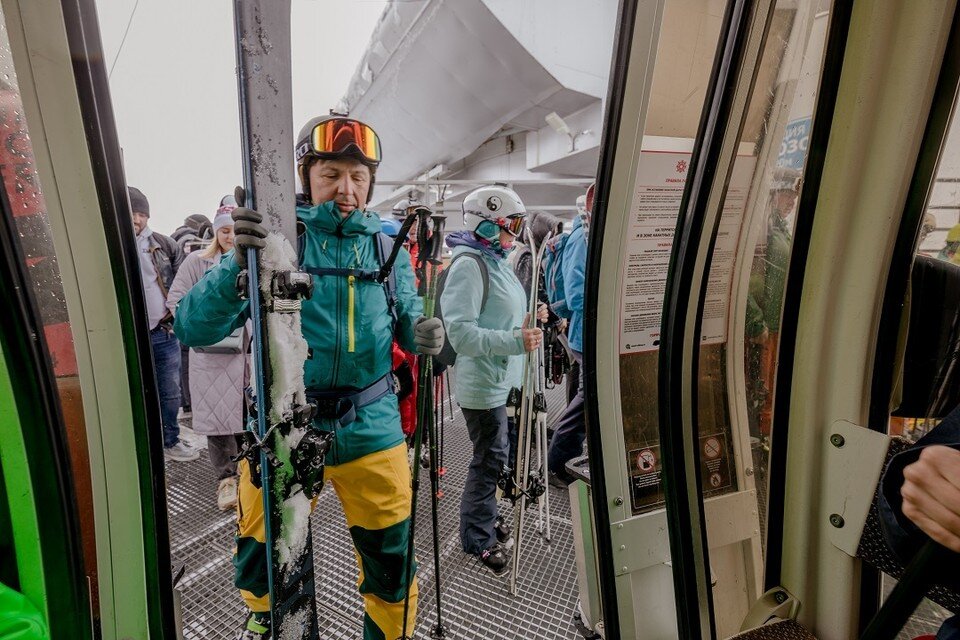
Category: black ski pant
[222,450]
[478,506]
[569,431]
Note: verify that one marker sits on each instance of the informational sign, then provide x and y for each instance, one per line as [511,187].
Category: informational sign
[661,176]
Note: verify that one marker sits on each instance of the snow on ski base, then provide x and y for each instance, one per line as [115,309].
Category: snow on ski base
[288,352]
[296,516]
[293,625]
[288,348]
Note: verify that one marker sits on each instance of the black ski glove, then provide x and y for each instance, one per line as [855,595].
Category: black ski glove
[248,232]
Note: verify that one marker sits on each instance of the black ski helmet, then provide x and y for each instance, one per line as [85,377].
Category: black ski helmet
[306,154]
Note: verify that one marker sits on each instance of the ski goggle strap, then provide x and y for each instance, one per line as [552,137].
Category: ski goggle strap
[338,136]
[512,225]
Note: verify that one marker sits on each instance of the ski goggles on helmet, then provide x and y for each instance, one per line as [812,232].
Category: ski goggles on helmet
[512,225]
[340,136]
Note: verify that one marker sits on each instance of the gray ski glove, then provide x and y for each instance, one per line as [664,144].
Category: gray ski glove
[428,335]
[248,232]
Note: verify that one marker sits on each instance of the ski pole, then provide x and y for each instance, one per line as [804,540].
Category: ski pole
[427,289]
[436,240]
[417,438]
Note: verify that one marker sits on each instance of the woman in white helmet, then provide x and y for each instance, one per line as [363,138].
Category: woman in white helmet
[484,312]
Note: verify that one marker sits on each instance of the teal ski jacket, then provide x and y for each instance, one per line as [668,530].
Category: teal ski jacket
[489,345]
[346,322]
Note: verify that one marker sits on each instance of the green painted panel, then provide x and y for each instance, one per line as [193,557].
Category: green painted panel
[20,496]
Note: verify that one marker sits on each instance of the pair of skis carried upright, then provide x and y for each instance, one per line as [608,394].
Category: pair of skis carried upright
[285,454]
[528,483]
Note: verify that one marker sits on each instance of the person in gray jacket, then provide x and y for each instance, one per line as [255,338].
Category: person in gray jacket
[217,373]
[160,257]
[490,337]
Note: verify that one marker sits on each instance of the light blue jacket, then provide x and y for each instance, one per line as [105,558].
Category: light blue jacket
[574,266]
[489,345]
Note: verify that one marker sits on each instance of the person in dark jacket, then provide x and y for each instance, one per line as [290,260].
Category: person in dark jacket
[197,231]
[920,500]
[160,257]
[541,225]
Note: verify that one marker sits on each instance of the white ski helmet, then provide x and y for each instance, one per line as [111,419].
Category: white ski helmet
[488,209]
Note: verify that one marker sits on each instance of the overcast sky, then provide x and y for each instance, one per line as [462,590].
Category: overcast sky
[174,90]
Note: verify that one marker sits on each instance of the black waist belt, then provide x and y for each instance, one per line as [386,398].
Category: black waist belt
[342,404]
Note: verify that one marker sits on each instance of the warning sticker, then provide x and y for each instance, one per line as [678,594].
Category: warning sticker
[645,477]
[646,471]
[715,464]
[712,448]
[646,461]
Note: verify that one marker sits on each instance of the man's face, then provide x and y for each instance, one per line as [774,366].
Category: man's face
[140,221]
[783,202]
[345,181]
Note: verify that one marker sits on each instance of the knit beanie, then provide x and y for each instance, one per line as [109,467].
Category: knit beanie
[222,219]
[138,201]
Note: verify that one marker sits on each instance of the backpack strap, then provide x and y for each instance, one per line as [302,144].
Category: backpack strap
[387,250]
[484,275]
[384,276]
[359,274]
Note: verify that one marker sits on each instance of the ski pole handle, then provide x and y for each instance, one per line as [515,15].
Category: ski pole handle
[436,240]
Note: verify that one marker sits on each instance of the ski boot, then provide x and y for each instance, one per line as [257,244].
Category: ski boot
[504,534]
[256,627]
[495,558]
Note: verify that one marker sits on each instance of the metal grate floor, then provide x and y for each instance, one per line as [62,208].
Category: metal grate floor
[476,604]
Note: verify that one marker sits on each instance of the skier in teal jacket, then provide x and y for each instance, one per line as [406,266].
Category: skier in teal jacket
[349,327]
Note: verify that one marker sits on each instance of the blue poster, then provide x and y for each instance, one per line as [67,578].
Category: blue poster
[796,139]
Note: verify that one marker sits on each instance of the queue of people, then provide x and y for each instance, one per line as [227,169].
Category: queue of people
[192,299]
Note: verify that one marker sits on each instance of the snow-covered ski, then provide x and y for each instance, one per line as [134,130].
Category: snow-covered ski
[287,454]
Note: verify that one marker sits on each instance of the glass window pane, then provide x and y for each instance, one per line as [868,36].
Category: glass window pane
[688,42]
[774,143]
[23,192]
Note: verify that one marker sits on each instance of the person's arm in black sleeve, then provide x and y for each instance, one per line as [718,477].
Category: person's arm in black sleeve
[920,492]
[176,256]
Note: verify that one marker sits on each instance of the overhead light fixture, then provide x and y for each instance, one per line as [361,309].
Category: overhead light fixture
[560,125]
[557,123]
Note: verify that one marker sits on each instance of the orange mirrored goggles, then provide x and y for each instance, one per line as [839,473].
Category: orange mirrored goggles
[512,225]
[340,136]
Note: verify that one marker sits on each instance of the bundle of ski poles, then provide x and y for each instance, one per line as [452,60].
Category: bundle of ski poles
[430,242]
